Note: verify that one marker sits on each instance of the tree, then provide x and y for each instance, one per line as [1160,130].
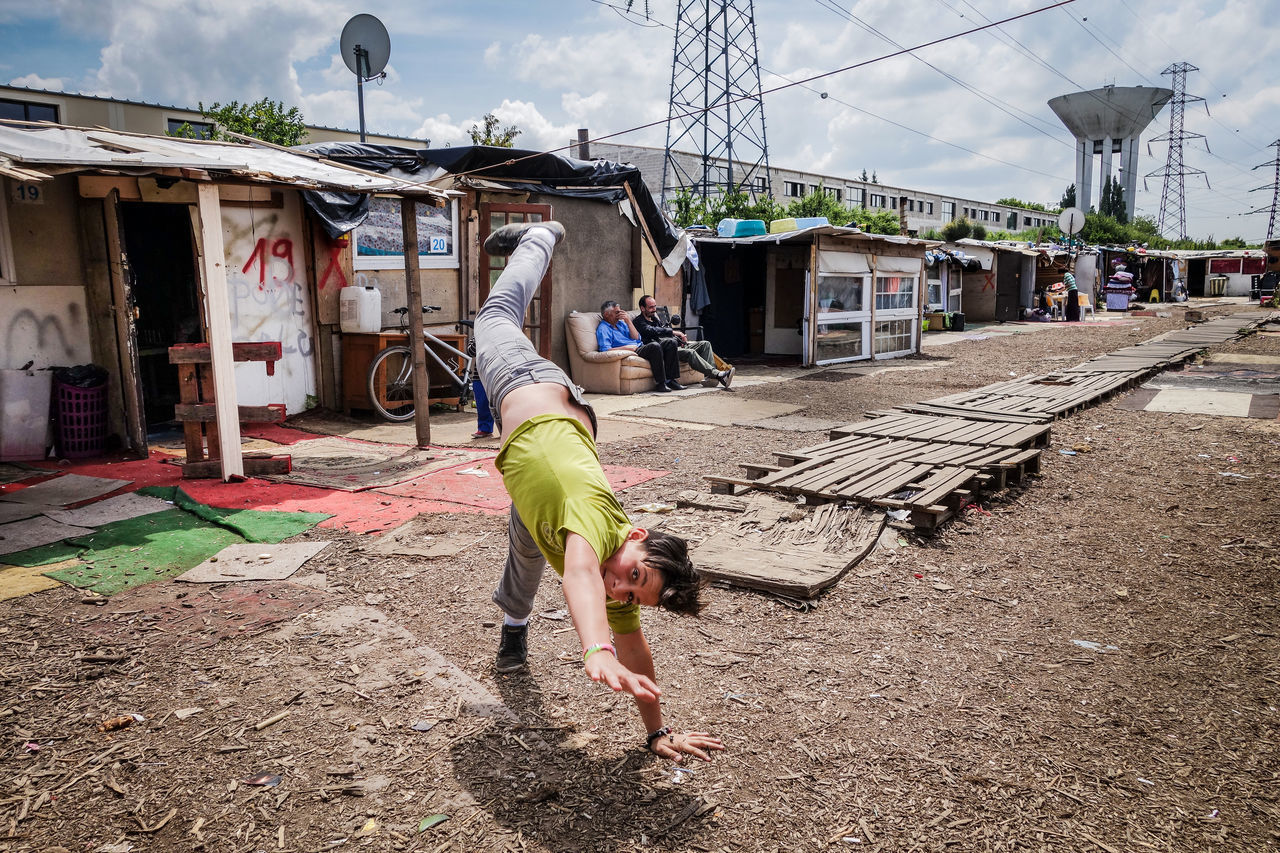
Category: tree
[979,231]
[864,176]
[491,134]
[874,179]
[957,229]
[1028,205]
[1069,197]
[266,119]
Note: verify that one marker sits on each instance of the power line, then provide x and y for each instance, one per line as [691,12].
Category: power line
[1003,106]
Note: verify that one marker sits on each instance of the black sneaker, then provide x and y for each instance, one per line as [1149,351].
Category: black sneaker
[674,385]
[513,651]
[726,376]
[505,239]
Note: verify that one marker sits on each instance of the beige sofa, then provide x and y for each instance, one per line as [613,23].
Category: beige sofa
[613,372]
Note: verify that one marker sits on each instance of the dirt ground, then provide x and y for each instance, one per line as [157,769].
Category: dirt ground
[1086,663]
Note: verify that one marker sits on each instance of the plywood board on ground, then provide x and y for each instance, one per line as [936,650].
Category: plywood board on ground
[778,546]
[253,561]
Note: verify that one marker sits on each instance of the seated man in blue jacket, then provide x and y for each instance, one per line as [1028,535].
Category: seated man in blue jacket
[616,331]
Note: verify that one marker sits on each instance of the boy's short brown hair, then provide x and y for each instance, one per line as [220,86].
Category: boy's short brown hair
[682,585]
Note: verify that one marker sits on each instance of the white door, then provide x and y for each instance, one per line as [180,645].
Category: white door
[842,327]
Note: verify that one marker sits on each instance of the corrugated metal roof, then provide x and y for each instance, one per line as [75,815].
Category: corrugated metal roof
[826,230]
[27,152]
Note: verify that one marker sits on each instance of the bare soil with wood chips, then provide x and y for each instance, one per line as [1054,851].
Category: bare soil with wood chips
[1088,662]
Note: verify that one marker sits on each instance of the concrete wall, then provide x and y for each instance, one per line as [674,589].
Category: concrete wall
[594,263]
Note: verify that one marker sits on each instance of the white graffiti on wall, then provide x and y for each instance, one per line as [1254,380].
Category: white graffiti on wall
[266,278]
[44,325]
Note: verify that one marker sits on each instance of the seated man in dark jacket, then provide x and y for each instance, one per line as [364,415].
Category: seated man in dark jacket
[697,353]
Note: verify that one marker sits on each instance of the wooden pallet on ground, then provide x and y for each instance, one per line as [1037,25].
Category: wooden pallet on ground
[951,430]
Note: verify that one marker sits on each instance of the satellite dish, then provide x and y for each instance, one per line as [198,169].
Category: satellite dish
[366,37]
[1071,220]
[366,47]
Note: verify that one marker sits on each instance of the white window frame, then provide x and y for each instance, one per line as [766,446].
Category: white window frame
[8,276]
[442,260]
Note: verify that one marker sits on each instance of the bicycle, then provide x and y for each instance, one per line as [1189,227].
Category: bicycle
[390,377]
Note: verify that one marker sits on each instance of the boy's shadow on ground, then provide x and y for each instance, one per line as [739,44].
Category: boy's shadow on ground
[555,792]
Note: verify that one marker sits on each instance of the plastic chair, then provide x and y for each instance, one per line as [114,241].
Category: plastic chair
[1086,304]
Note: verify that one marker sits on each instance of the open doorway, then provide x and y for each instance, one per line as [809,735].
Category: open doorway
[166,301]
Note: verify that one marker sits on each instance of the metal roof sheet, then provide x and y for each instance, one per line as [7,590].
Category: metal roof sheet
[27,150]
[826,230]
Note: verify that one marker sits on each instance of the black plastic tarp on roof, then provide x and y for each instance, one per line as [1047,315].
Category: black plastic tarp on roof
[556,175]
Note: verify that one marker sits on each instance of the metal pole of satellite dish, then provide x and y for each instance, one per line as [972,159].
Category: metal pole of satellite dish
[362,66]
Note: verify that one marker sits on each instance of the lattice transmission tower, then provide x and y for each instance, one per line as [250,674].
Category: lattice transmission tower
[716,112]
[1173,199]
[1274,186]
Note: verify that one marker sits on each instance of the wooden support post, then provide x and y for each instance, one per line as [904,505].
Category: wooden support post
[417,344]
[217,304]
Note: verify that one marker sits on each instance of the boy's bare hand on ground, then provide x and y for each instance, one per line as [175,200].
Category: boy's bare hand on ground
[678,744]
[605,667]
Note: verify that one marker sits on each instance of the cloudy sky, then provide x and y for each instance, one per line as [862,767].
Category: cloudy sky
[967,116]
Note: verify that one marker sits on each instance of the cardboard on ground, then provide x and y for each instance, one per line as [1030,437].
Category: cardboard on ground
[253,562]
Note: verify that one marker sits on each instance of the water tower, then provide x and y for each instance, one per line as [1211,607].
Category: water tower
[1108,121]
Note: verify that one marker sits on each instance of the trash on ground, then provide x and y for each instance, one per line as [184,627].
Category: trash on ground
[473,472]
[262,780]
[656,507]
[423,725]
[1097,647]
[899,514]
[112,724]
[1067,452]
[430,821]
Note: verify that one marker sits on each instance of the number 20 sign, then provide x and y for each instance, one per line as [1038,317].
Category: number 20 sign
[439,246]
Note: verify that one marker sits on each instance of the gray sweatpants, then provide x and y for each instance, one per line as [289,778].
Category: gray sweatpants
[506,360]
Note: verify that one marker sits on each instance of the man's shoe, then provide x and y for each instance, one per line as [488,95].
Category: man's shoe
[513,651]
[674,385]
[505,239]
[663,388]
[726,376]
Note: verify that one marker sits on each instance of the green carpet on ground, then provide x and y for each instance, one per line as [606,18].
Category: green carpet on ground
[252,524]
[140,550]
[136,551]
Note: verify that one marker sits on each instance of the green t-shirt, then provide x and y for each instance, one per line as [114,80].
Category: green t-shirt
[552,471]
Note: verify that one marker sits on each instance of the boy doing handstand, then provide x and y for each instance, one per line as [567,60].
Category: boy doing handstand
[563,511]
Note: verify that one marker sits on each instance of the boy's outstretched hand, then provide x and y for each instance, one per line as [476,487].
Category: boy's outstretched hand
[606,668]
[679,744]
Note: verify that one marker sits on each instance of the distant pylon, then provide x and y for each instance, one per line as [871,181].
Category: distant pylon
[1173,199]
[1275,191]
[716,111]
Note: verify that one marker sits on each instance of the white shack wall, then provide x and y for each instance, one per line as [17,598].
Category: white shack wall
[270,301]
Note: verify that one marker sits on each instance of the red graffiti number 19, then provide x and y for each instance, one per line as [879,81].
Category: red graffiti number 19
[282,249]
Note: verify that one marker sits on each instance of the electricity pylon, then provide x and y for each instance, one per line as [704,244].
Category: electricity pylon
[1275,190]
[716,111]
[1173,200]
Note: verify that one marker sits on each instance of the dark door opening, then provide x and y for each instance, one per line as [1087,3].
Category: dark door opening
[166,300]
[1008,289]
[734,321]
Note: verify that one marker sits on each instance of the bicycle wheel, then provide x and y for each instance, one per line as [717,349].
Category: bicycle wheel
[390,383]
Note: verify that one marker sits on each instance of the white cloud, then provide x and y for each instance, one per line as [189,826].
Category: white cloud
[35,81]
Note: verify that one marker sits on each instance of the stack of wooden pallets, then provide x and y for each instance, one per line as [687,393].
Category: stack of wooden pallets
[925,465]
[929,458]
